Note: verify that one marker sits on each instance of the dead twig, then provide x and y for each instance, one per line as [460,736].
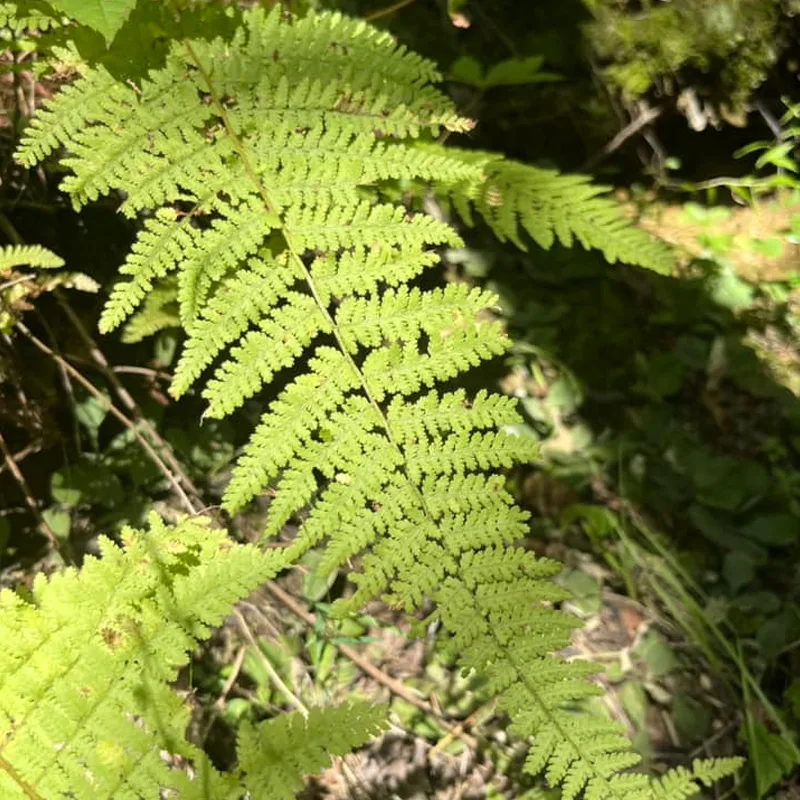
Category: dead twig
[459,730]
[271,671]
[103,400]
[395,686]
[147,371]
[125,397]
[28,495]
[648,114]
[219,704]
[21,455]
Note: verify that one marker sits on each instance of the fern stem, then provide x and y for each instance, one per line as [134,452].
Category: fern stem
[8,768]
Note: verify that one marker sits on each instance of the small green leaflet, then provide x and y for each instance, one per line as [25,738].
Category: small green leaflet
[104,16]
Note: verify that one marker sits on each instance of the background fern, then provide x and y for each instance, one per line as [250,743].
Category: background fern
[261,162]
[86,709]
[31,255]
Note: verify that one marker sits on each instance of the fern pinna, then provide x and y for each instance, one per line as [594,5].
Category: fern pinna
[257,166]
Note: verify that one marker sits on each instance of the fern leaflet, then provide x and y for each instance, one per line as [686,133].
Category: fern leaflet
[513,197]
[28,255]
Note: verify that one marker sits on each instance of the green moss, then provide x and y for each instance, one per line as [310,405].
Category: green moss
[733,39]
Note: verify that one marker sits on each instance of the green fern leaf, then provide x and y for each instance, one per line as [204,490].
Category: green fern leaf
[276,754]
[28,255]
[549,207]
[85,705]
[159,311]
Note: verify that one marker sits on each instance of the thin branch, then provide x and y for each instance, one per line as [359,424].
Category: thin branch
[385,12]
[15,281]
[28,495]
[125,397]
[274,677]
[460,729]
[150,373]
[395,686]
[104,401]
[219,704]
[20,455]
[648,115]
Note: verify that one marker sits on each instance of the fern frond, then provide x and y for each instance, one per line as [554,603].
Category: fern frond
[19,18]
[549,206]
[538,690]
[159,311]
[276,754]
[85,706]
[290,258]
[28,255]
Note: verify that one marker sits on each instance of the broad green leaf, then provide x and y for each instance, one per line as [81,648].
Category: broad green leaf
[467,70]
[727,289]
[792,696]
[86,483]
[771,248]
[598,520]
[658,655]
[565,394]
[58,520]
[739,569]
[315,584]
[90,412]
[517,71]
[104,16]
[585,590]
[770,756]
[778,530]
[717,529]
[634,700]
[757,602]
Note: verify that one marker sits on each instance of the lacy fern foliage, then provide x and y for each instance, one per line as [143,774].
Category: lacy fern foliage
[262,163]
[86,709]
[275,755]
[549,206]
[28,255]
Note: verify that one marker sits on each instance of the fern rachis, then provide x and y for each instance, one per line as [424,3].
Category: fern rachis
[278,142]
